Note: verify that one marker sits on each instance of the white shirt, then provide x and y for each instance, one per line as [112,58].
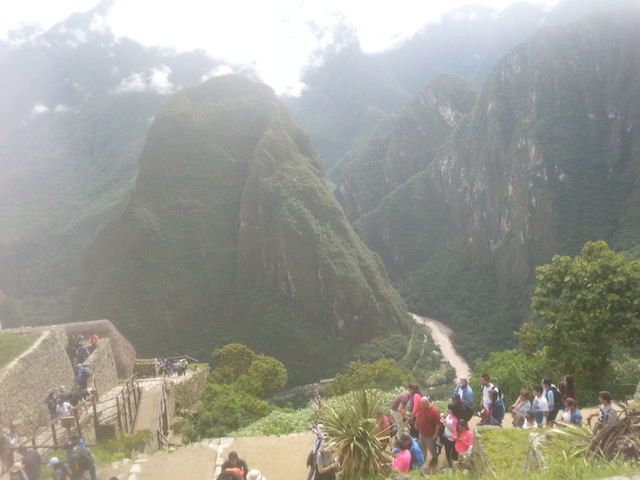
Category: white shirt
[540,404]
[486,399]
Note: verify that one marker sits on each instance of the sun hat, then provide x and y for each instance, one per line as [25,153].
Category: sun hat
[254,475]
[16,467]
[53,461]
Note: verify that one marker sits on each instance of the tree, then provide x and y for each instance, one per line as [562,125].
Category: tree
[231,362]
[265,376]
[383,375]
[586,305]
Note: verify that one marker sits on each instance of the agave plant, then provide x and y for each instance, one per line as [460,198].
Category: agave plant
[351,427]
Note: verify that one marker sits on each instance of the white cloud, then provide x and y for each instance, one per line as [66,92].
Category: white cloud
[278,39]
[155,80]
[38,109]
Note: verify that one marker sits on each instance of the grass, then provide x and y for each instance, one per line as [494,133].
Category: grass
[12,346]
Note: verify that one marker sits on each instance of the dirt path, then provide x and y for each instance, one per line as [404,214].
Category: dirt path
[441,336]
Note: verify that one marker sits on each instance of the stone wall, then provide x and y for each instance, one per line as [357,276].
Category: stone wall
[26,381]
[46,366]
[102,367]
[185,394]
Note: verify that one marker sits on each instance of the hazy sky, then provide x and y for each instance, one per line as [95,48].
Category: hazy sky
[278,38]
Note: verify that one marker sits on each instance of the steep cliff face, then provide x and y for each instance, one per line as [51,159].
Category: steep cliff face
[548,159]
[421,128]
[232,235]
[550,155]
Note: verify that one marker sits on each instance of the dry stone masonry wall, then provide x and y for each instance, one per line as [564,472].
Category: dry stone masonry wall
[26,381]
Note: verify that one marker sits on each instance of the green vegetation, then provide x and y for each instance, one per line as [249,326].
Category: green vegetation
[232,235]
[585,307]
[383,375]
[352,432]
[12,346]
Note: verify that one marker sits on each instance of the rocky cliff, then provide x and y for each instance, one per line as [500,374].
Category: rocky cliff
[232,235]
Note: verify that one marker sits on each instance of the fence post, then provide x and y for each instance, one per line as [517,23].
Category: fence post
[130,410]
[96,423]
[53,433]
[119,417]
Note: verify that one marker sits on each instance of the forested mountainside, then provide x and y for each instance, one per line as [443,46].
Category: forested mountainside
[356,96]
[232,235]
[548,158]
[75,107]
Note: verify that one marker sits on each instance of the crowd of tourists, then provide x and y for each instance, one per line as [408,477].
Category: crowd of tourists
[421,431]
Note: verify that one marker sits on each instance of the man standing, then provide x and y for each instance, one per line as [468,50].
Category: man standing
[399,408]
[31,462]
[427,421]
[464,391]
[539,405]
[487,386]
[554,399]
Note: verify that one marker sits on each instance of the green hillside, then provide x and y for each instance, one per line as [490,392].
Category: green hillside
[232,235]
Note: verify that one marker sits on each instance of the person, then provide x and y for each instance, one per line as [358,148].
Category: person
[255,475]
[521,406]
[401,457]
[487,386]
[417,457]
[168,367]
[399,408]
[31,462]
[539,405]
[82,353]
[606,413]
[463,437]
[568,388]
[414,403]
[496,409]
[10,443]
[317,445]
[462,410]
[464,391]
[326,464]
[80,460]
[554,399]
[383,428]
[5,464]
[82,376]
[93,343]
[17,472]
[228,475]
[65,409]
[447,428]
[233,462]
[51,402]
[428,420]
[529,420]
[571,413]
[157,365]
[60,469]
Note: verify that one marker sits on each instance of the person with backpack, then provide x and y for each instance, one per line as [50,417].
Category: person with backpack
[554,400]
[487,386]
[80,460]
[317,445]
[539,405]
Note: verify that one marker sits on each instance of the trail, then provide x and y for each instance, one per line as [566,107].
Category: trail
[442,337]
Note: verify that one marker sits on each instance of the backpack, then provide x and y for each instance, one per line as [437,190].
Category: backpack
[557,397]
[85,459]
[497,389]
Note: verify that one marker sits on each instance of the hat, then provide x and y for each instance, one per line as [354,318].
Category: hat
[75,436]
[455,396]
[16,467]
[68,445]
[254,475]
[53,461]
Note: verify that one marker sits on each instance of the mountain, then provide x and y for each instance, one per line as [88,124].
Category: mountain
[356,96]
[547,159]
[388,162]
[75,109]
[232,235]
